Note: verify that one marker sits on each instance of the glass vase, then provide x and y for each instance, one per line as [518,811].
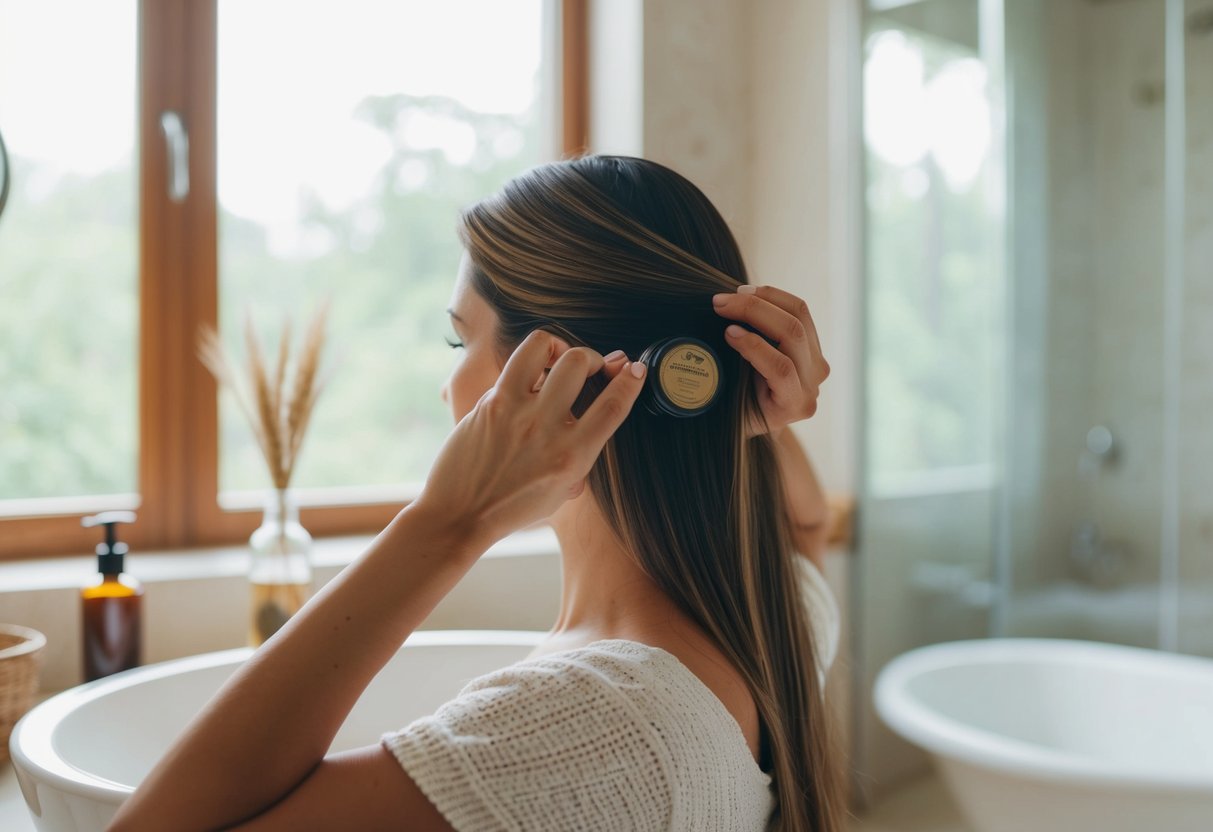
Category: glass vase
[280,566]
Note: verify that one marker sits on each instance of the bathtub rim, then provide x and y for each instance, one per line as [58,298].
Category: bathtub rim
[947,737]
[34,755]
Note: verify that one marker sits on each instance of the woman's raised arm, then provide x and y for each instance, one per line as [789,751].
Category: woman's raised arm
[273,720]
[791,372]
[514,459]
[807,506]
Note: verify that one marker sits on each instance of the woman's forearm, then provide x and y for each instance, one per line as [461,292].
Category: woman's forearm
[273,721]
[808,509]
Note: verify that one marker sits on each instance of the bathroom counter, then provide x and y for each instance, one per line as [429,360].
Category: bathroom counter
[197,600]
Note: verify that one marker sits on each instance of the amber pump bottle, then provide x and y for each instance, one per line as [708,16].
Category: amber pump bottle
[111,608]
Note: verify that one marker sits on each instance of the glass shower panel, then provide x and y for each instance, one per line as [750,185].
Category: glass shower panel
[1195,568]
[933,246]
[1036,453]
[1085,424]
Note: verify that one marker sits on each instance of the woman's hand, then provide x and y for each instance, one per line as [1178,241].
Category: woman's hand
[520,452]
[790,373]
[255,756]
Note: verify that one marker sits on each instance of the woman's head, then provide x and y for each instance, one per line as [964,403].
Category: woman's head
[655,247]
[618,252]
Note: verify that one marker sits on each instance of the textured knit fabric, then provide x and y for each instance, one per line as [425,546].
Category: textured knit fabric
[615,735]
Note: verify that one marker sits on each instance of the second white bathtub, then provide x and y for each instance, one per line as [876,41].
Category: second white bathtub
[1057,735]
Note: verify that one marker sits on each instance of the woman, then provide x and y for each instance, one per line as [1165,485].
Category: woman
[681,685]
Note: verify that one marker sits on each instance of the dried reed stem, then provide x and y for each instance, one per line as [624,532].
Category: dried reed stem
[214,356]
[284,348]
[278,421]
[305,390]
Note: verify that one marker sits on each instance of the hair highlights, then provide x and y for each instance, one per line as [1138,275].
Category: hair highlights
[608,252]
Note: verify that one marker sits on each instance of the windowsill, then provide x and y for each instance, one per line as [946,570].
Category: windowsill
[197,599]
[210,562]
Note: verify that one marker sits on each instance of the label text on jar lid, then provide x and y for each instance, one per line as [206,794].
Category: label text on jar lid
[688,376]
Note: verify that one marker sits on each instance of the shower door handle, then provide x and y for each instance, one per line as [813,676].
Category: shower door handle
[177,143]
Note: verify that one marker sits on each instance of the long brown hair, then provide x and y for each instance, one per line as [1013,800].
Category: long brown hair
[617,252]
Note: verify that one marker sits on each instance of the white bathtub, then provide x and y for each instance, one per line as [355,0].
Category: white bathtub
[79,755]
[1055,735]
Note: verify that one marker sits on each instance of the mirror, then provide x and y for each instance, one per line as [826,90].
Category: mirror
[4,179]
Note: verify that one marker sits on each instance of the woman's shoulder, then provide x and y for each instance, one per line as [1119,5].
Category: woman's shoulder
[633,696]
[594,668]
[557,740]
[668,699]
[643,663]
[683,698]
[609,690]
[606,675]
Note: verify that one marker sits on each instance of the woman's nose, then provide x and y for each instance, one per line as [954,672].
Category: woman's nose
[443,394]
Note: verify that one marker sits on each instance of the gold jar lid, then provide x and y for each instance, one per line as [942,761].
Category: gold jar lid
[684,376]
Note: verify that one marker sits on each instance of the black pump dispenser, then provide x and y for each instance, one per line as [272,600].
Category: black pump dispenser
[110,553]
[111,608]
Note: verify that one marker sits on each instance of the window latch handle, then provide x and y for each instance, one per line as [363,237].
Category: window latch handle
[177,142]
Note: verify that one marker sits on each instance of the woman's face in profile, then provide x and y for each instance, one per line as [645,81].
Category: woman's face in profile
[475,325]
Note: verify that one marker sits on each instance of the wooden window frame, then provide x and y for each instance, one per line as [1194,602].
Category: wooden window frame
[178,466]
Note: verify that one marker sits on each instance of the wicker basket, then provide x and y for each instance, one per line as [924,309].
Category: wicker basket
[20,661]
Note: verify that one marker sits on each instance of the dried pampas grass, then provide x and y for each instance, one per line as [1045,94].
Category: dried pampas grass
[278,419]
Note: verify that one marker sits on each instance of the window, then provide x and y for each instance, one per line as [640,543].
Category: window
[330,147]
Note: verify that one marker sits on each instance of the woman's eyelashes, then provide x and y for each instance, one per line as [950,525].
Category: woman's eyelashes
[452,344]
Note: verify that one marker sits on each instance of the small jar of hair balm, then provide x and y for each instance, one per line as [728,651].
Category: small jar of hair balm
[683,378]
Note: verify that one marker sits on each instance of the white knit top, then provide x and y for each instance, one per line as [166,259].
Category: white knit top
[615,735]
